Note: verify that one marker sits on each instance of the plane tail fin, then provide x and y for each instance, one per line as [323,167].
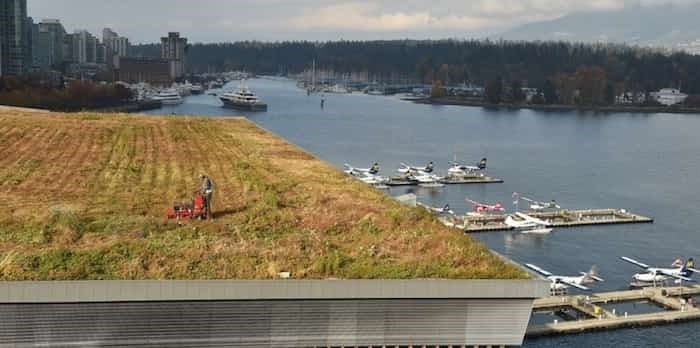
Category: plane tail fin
[592,275]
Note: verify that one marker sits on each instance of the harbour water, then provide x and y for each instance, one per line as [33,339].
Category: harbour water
[646,163]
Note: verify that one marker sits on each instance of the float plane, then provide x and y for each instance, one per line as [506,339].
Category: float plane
[424,176]
[680,271]
[561,283]
[446,210]
[374,170]
[527,224]
[458,169]
[367,175]
[408,169]
[485,208]
[536,205]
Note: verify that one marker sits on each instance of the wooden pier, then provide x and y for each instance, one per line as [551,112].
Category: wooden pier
[675,309]
[562,219]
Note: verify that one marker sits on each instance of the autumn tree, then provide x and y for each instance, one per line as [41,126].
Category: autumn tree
[437,89]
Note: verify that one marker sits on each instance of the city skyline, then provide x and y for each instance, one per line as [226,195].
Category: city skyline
[220,21]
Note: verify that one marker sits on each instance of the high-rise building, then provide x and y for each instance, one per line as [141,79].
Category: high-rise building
[120,46]
[107,35]
[79,47]
[174,49]
[115,46]
[84,47]
[51,47]
[13,37]
[91,49]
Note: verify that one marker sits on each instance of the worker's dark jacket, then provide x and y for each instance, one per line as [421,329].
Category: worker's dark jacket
[207,187]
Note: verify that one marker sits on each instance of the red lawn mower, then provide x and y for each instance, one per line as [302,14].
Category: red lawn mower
[196,209]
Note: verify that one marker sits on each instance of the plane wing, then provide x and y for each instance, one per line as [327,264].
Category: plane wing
[596,278]
[538,270]
[694,270]
[677,276]
[532,219]
[635,262]
[577,286]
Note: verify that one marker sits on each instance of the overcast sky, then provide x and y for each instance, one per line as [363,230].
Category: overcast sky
[271,20]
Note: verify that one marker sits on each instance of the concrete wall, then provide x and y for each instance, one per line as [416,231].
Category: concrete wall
[267,313]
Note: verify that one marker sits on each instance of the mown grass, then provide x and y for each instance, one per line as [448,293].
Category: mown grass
[84,196]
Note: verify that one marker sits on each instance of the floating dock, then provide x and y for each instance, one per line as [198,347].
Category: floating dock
[562,218]
[477,179]
[597,318]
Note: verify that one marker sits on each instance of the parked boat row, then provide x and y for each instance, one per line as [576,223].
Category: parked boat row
[424,176]
[169,95]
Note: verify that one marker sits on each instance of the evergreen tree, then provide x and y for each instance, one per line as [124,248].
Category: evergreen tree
[549,93]
[494,91]
[516,92]
[610,94]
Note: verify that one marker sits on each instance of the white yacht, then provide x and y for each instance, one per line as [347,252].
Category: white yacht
[243,99]
[168,97]
[196,89]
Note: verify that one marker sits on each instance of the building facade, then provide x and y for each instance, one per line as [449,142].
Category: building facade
[138,69]
[115,46]
[49,44]
[120,46]
[284,314]
[14,48]
[174,49]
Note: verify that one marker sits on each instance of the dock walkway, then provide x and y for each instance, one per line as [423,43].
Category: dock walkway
[561,219]
[598,318]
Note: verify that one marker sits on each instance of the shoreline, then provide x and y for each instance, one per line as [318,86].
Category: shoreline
[134,107]
[560,107]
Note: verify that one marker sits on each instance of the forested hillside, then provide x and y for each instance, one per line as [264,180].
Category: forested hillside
[453,61]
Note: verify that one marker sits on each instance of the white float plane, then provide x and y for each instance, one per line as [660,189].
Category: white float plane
[367,175]
[681,271]
[528,224]
[458,169]
[408,169]
[536,205]
[561,283]
[424,176]
[446,210]
[374,170]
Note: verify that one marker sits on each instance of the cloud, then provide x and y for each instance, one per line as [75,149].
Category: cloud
[370,17]
[230,20]
[382,16]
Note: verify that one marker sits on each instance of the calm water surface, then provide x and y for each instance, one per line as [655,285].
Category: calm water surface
[648,164]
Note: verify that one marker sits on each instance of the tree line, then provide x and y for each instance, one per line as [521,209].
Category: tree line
[72,96]
[601,69]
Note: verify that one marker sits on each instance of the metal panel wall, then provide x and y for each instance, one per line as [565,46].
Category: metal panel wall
[125,290]
[267,323]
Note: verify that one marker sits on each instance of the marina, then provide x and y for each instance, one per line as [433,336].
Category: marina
[606,174]
[592,316]
[476,222]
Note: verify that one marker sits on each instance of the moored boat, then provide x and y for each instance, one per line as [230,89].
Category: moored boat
[243,99]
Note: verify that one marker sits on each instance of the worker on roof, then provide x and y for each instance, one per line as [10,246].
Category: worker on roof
[206,188]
